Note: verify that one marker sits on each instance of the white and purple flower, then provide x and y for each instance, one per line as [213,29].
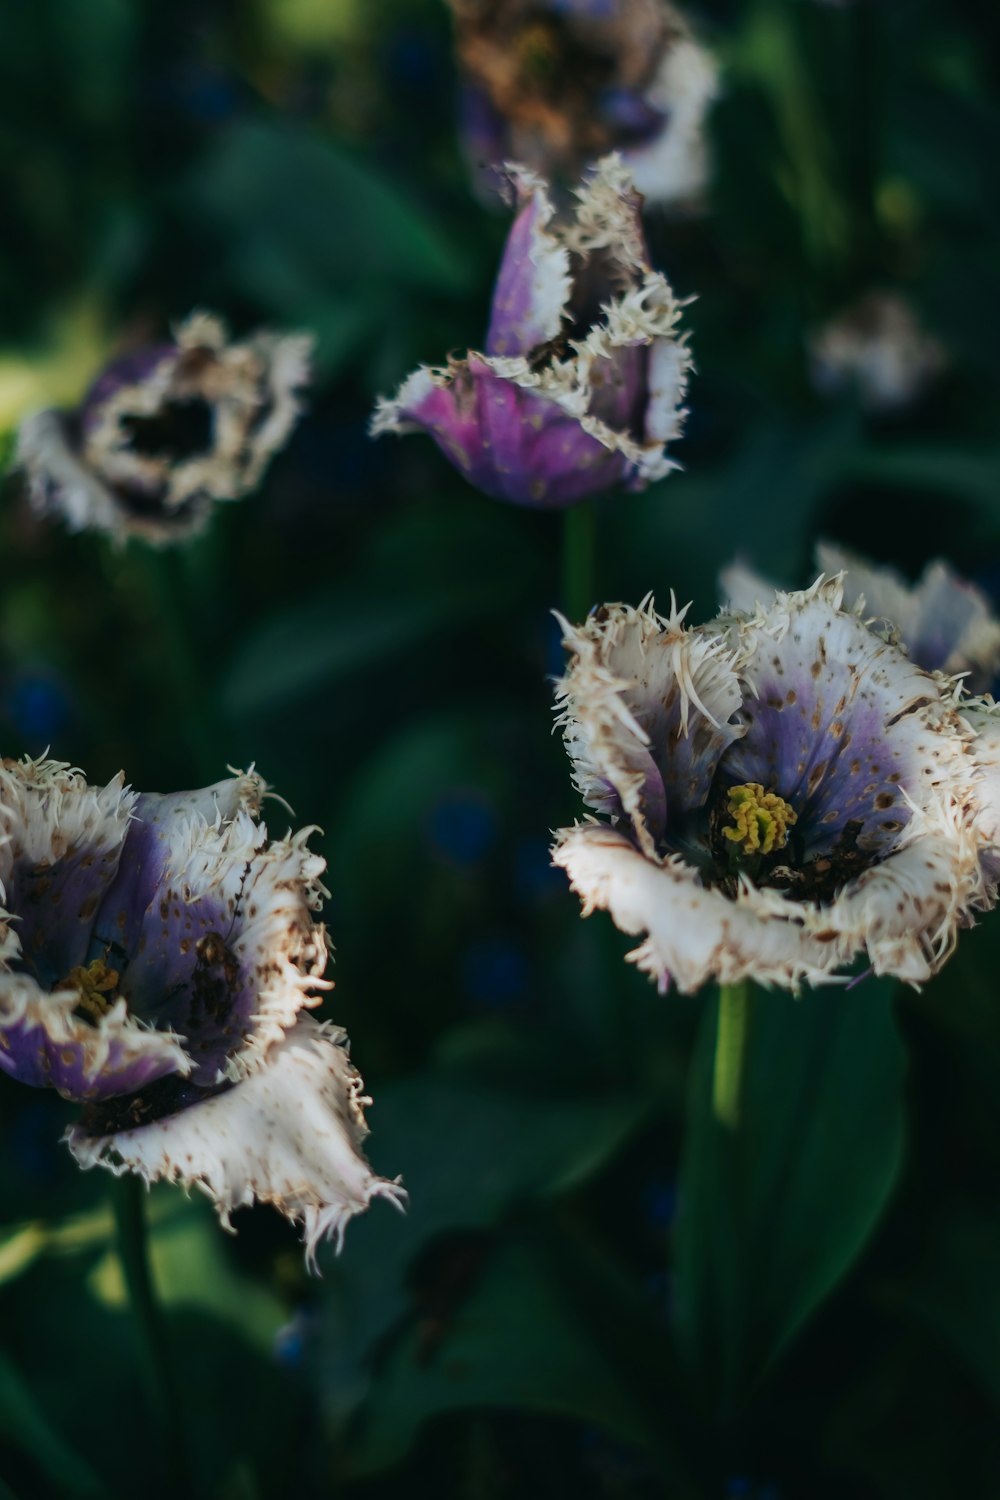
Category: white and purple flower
[781,791]
[582,381]
[557,84]
[878,347]
[943,622]
[156,957]
[166,431]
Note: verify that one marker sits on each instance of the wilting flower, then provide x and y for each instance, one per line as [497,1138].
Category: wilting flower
[156,955]
[557,84]
[165,431]
[782,791]
[879,347]
[943,622]
[581,383]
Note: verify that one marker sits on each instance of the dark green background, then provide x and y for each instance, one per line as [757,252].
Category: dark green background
[596,1293]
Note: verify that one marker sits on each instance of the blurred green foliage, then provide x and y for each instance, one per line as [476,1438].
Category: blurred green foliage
[596,1292]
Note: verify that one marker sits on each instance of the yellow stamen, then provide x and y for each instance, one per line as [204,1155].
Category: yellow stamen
[96,985]
[762,819]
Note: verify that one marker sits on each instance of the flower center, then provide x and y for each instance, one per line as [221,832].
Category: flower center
[760,820]
[95,985]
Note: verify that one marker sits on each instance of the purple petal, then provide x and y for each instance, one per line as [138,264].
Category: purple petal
[46,1046]
[509,442]
[533,283]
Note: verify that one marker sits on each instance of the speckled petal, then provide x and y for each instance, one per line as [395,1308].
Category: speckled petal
[221,944]
[944,622]
[841,724]
[646,708]
[290,1135]
[533,285]
[60,854]
[157,819]
[43,1044]
[692,934]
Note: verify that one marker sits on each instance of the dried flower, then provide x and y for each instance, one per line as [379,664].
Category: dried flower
[557,84]
[879,347]
[167,430]
[853,763]
[581,384]
[943,622]
[156,955]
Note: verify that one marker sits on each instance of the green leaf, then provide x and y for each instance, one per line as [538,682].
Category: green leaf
[24,1423]
[521,1339]
[775,1212]
[467,1155]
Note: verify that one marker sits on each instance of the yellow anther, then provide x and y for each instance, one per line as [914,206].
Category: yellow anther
[762,819]
[95,985]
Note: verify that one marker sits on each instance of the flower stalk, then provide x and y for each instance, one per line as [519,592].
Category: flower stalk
[730,1045]
[579,542]
[128,1200]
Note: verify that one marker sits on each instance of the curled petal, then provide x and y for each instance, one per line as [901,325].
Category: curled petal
[944,622]
[533,284]
[58,856]
[646,708]
[692,934]
[289,1135]
[45,1044]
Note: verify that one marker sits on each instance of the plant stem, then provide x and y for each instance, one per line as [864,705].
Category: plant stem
[578,549]
[129,1196]
[730,1045]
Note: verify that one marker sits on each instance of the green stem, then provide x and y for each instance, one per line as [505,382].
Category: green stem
[578,550]
[129,1196]
[730,1044]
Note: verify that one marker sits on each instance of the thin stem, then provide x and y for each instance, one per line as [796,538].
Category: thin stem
[579,546]
[129,1195]
[730,1044]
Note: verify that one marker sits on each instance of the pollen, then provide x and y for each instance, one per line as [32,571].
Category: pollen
[762,819]
[95,985]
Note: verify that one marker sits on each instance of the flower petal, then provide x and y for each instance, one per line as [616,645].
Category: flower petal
[944,622]
[59,855]
[533,284]
[673,164]
[646,706]
[289,1135]
[693,934]
[44,1044]
[491,418]
[841,725]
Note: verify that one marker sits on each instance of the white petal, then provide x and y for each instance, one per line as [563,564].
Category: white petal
[693,934]
[674,164]
[290,1135]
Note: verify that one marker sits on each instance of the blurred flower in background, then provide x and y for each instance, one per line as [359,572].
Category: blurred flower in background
[558,83]
[786,791]
[165,431]
[581,384]
[157,953]
[943,622]
[879,348]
